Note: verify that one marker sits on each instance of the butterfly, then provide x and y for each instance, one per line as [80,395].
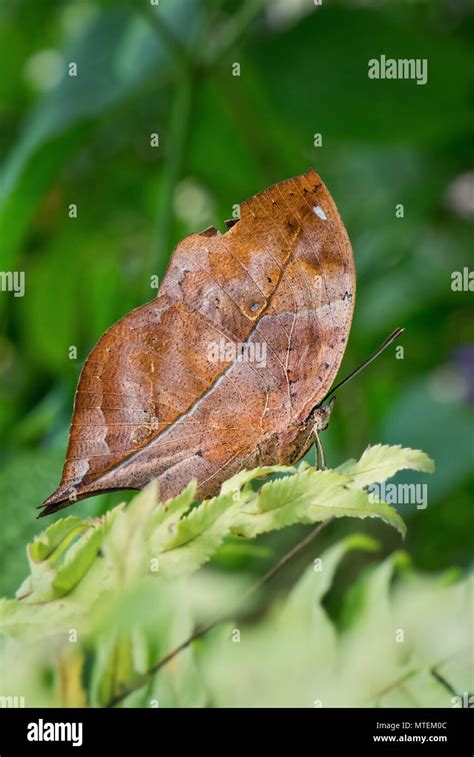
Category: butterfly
[174,391]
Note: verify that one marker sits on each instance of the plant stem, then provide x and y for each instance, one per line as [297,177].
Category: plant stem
[175,142]
[177,135]
[234,30]
[143,679]
[175,47]
[178,127]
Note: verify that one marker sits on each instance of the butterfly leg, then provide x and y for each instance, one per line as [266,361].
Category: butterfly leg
[320,454]
[319,420]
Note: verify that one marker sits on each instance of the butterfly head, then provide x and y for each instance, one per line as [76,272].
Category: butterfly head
[322,415]
[319,417]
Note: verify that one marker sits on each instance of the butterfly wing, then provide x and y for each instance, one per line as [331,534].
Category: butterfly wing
[245,336]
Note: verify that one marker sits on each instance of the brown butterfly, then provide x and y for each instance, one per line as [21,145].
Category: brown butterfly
[227,367]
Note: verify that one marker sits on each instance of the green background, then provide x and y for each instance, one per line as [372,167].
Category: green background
[303,70]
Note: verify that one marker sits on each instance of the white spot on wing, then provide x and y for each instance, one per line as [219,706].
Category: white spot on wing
[320,212]
[79,468]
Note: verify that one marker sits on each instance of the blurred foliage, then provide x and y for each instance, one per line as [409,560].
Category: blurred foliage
[388,647]
[103,604]
[168,70]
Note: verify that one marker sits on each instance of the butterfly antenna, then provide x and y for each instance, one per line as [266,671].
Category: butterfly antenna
[391,338]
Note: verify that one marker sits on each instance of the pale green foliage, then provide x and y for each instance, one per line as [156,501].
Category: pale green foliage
[381,462]
[179,538]
[113,582]
[408,643]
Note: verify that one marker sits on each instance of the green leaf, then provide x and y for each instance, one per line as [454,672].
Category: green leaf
[149,538]
[124,552]
[58,561]
[132,618]
[307,595]
[382,461]
[237,482]
[176,538]
[44,544]
[308,497]
[364,664]
[197,536]
[164,519]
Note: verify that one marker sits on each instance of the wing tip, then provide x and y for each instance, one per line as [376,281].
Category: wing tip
[62,497]
[66,495]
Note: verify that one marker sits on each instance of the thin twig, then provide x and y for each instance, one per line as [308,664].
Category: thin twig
[234,30]
[177,135]
[434,670]
[145,677]
[286,558]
